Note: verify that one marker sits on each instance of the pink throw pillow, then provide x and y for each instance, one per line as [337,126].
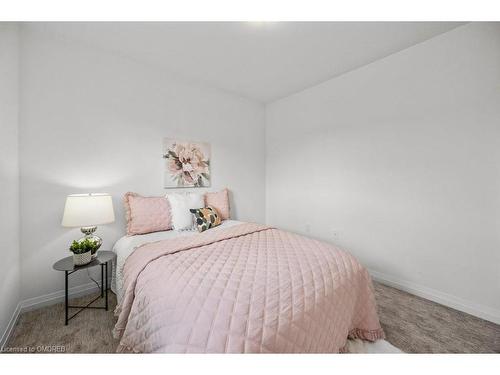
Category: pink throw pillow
[220,201]
[146,214]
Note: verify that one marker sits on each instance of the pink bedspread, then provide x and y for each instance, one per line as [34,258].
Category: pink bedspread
[245,289]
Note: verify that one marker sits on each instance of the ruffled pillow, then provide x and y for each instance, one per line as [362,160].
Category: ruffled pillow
[146,214]
[220,201]
[205,218]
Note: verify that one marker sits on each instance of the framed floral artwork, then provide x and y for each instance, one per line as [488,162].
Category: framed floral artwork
[187,164]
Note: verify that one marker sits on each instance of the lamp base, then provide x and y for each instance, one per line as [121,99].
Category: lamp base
[89,235]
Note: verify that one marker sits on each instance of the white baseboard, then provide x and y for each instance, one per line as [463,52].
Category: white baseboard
[10,326]
[472,308]
[56,297]
[45,300]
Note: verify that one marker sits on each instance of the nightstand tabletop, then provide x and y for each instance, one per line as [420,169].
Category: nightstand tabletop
[66,264]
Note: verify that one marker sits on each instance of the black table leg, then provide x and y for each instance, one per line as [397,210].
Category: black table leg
[102,280]
[106,286]
[66,298]
[67,266]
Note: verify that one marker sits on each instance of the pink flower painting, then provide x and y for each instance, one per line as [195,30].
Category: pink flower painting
[187,163]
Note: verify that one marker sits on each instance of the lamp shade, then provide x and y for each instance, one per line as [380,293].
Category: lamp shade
[87,210]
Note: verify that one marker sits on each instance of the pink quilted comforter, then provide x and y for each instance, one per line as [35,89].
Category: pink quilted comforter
[245,289]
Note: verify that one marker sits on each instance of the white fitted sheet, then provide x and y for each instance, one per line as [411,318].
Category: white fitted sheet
[127,244]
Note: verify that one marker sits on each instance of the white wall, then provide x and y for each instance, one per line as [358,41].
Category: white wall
[399,162]
[9,176]
[396,161]
[94,122]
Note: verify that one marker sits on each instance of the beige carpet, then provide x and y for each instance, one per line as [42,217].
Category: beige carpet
[412,324]
[417,325]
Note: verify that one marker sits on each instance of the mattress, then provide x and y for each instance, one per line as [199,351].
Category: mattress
[127,244]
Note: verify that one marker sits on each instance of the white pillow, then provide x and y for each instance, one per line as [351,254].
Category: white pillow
[180,204]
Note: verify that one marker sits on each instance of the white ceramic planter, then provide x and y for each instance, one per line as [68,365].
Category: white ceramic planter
[81,259]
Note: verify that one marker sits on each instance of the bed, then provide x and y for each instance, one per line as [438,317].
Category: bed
[127,244]
[239,288]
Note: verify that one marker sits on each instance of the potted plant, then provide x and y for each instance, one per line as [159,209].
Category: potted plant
[82,251]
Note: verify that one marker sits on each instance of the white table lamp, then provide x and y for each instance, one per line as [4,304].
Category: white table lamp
[86,211]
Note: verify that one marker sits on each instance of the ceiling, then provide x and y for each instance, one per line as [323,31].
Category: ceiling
[263,61]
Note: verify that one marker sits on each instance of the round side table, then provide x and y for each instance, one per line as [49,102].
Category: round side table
[102,259]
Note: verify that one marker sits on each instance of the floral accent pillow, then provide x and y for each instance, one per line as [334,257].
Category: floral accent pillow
[220,201]
[206,218]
